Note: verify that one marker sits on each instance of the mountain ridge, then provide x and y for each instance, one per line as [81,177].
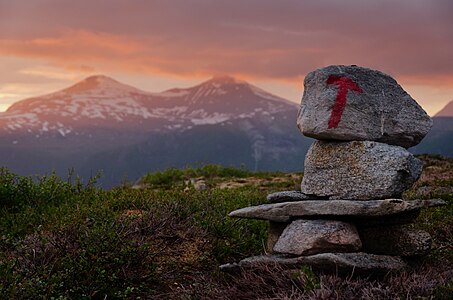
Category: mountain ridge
[446,111]
[100,98]
[102,124]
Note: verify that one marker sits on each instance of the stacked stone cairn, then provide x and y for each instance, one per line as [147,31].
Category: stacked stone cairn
[349,215]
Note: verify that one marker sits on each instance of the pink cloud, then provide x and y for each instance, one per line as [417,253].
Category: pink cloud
[258,39]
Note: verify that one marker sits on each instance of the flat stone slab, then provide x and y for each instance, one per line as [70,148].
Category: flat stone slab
[359,170]
[395,240]
[286,196]
[287,211]
[359,263]
[307,237]
[351,103]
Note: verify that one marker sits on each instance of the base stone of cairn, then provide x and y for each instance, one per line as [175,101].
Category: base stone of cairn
[349,215]
[359,263]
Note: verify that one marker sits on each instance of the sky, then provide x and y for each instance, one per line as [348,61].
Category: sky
[47,45]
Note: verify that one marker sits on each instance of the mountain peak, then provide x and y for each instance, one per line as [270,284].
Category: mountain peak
[100,82]
[447,111]
[100,78]
[225,79]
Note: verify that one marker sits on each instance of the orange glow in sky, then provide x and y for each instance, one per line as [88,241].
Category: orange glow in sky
[156,45]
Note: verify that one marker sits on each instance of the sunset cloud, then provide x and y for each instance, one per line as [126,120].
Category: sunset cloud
[73,46]
[261,40]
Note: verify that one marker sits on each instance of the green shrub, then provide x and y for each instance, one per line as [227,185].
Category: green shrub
[63,239]
[175,177]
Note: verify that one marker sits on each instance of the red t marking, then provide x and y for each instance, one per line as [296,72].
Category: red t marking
[344,84]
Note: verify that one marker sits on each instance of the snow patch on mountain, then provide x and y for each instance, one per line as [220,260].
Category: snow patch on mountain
[173,93]
[205,118]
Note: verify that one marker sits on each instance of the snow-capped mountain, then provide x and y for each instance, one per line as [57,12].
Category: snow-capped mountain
[102,124]
[95,100]
[102,101]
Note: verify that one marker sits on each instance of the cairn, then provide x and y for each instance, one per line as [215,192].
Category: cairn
[349,215]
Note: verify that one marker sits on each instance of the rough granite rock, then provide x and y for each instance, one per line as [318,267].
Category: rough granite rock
[359,170]
[395,240]
[307,237]
[359,263]
[352,209]
[351,103]
[286,196]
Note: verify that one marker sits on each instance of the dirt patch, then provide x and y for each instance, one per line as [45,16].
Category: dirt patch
[132,213]
[258,182]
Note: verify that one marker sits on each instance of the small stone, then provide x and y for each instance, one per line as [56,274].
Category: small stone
[359,170]
[287,196]
[395,240]
[199,184]
[358,263]
[352,209]
[352,103]
[307,237]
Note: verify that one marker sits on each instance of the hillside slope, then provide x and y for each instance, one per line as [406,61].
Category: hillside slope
[167,239]
[439,139]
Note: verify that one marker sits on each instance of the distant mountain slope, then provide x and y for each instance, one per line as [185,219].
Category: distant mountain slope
[447,111]
[439,139]
[102,124]
[245,143]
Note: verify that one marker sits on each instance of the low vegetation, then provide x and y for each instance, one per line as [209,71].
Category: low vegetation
[164,239]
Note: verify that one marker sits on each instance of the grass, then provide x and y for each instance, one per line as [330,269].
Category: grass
[61,239]
[213,174]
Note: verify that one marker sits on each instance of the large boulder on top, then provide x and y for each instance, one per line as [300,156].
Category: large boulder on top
[359,170]
[286,196]
[351,103]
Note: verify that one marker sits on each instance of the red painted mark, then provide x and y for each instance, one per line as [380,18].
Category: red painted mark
[344,84]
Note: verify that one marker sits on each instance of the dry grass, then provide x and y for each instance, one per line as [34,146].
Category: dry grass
[424,282]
